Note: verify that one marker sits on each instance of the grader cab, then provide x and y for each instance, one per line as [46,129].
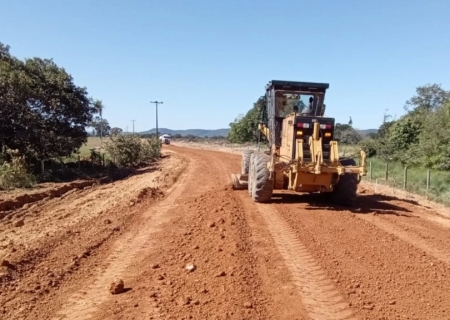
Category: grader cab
[303,155]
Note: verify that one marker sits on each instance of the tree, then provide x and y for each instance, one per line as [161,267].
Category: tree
[116,131]
[100,126]
[422,135]
[433,147]
[99,107]
[43,113]
[428,98]
[345,134]
[245,128]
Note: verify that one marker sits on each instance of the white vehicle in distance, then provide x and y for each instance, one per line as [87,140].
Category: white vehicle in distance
[165,138]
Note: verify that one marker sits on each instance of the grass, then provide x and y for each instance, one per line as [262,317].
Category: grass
[91,143]
[416,182]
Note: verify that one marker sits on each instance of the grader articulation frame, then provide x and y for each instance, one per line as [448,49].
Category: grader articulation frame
[303,155]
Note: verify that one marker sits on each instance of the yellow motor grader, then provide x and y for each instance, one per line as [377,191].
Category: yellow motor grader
[303,155]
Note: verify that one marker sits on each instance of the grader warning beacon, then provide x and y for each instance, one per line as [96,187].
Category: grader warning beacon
[303,155]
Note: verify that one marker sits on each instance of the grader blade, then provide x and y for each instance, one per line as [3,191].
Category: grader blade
[240,181]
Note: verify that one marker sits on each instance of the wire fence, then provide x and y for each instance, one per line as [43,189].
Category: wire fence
[435,185]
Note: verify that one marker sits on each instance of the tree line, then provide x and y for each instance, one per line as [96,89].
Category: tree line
[43,113]
[421,137]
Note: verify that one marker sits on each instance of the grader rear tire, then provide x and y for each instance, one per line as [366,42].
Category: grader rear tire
[262,187]
[345,191]
[246,154]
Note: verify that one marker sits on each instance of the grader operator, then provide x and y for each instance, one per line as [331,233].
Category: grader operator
[303,155]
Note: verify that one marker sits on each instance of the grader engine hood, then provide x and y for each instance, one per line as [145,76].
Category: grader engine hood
[303,128]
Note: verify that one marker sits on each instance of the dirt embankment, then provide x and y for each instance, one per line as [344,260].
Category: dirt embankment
[44,245]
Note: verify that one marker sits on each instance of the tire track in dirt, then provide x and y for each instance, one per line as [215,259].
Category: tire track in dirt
[383,276]
[207,228]
[84,303]
[416,224]
[320,298]
[434,250]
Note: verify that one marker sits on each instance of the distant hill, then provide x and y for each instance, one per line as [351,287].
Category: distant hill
[194,132]
[219,132]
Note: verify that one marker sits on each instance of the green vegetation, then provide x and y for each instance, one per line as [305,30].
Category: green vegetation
[129,150]
[421,137]
[245,128]
[43,118]
[43,113]
[85,149]
[418,141]
[416,179]
[15,174]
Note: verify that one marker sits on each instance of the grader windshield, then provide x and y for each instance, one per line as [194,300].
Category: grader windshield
[304,103]
[285,97]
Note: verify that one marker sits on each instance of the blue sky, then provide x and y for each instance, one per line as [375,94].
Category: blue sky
[209,61]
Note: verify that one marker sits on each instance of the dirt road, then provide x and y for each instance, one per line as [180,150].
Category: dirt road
[189,247]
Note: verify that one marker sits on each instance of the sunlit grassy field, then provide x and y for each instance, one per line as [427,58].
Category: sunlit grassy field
[91,143]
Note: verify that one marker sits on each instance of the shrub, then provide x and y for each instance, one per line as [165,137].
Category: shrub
[15,174]
[151,149]
[369,146]
[129,150]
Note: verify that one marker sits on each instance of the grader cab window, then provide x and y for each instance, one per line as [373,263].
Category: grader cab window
[302,103]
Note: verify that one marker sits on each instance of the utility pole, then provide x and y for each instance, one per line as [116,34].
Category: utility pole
[156,102]
[133,125]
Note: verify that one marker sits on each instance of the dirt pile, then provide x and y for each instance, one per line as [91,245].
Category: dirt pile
[11,202]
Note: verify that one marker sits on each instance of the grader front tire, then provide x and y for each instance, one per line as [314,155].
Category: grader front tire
[262,186]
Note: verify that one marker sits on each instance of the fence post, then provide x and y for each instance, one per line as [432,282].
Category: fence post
[103,159]
[42,167]
[387,171]
[405,180]
[428,179]
[370,170]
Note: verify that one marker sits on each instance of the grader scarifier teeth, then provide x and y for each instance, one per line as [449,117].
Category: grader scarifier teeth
[240,182]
